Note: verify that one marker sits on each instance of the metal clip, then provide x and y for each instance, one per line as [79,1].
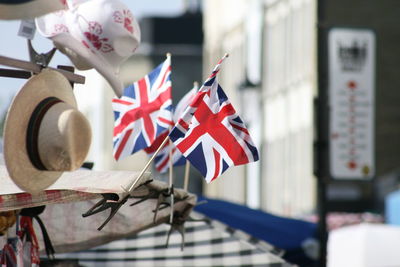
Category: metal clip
[152,194]
[42,59]
[178,224]
[109,201]
[166,199]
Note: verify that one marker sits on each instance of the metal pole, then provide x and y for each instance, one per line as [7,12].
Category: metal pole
[322,145]
[322,228]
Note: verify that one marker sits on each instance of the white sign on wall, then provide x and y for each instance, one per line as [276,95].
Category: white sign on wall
[351,66]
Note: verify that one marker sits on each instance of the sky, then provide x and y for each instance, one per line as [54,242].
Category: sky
[12,45]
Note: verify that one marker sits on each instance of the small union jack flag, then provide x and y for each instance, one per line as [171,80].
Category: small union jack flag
[143,112]
[162,160]
[210,134]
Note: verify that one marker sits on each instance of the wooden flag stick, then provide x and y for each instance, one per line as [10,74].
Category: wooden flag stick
[171,171]
[171,217]
[186,179]
[148,164]
[170,150]
[187,165]
[171,178]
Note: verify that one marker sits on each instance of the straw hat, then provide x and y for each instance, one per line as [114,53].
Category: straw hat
[98,34]
[44,133]
[28,9]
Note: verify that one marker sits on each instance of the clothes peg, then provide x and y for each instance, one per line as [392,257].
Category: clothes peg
[152,194]
[35,65]
[42,59]
[109,201]
[165,199]
[178,224]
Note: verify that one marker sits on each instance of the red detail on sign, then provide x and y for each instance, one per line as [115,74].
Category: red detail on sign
[352,84]
[352,165]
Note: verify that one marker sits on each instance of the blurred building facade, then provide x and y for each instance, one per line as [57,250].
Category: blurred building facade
[270,77]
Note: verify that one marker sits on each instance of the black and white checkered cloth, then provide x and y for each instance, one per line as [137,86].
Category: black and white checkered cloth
[207,243]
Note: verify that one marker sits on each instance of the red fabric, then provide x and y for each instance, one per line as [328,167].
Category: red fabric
[8,257]
[27,234]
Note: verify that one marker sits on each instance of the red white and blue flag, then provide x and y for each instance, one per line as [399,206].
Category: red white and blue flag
[210,134]
[162,160]
[143,112]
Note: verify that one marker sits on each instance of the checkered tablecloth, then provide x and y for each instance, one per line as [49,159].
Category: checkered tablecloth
[207,243]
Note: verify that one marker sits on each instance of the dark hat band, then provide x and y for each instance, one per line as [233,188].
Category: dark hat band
[32,133]
[14,2]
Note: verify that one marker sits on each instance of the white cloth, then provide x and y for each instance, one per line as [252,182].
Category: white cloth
[364,245]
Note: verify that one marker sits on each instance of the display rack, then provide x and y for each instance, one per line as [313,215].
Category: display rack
[25,69]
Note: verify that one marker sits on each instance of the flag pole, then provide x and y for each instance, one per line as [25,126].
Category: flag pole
[187,165]
[148,164]
[196,85]
[171,217]
[186,179]
[223,58]
[171,179]
[170,145]
[171,171]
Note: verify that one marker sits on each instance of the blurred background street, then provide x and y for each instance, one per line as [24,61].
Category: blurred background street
[315,81]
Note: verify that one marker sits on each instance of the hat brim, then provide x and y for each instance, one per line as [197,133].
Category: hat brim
[75,49]
[29,10]
[46,84]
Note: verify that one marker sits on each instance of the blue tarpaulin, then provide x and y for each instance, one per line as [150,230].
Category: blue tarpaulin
[285,233]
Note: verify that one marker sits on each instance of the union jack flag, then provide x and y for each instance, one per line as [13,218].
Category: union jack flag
[210,134]
[143,112]
[162,160]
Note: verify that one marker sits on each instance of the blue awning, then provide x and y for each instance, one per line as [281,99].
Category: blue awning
[285,233]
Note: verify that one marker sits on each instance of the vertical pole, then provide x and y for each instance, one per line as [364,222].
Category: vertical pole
[322,145]
[171,181]
[132,186]
[186,179]
[322,228]
[171,165]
